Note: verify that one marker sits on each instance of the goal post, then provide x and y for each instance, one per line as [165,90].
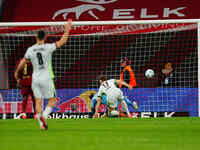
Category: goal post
[99,48]
[91,23]
[198,48]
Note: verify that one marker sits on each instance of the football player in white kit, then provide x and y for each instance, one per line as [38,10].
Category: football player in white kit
[40,55]
[114,94]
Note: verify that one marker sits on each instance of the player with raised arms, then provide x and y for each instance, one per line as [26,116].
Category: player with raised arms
[40,55]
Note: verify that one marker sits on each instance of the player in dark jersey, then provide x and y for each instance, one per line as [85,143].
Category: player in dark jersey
[24,82]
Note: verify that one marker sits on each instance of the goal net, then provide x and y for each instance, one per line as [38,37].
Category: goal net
[101,48]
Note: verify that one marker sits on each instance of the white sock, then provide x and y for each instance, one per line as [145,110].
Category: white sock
[47,111]
[125,107]
[38,118]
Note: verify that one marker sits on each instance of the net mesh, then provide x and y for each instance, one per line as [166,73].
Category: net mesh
[95,50]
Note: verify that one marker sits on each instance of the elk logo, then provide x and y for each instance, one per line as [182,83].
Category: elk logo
[78,10]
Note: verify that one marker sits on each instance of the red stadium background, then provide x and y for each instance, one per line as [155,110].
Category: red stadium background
[100,10]
[23,10]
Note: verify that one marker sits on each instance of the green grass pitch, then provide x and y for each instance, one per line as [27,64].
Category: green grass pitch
[102,134]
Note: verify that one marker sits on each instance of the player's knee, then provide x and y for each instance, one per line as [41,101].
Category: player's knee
[51,102]
[38,108]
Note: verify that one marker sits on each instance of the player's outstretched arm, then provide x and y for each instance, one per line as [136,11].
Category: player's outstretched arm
[64,37]
[120,82]
[97,107]
[20,67]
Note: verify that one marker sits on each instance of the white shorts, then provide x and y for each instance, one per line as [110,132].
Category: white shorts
[114,96]
[43,89]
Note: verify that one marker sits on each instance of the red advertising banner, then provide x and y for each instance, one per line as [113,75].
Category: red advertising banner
[45,10]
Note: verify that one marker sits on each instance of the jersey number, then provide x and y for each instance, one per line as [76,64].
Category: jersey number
[39,57]
[25,70]
[106,85]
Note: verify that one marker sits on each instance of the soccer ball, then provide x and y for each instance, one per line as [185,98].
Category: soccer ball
[149,73]
[114,113]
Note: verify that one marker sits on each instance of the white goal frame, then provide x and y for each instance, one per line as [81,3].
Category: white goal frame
[121,22]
